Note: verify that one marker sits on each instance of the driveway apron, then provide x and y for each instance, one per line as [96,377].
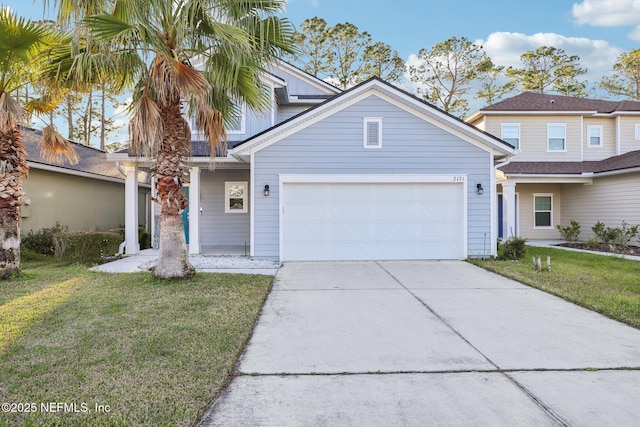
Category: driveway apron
[428,343]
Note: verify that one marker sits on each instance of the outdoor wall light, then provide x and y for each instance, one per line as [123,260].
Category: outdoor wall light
[479,189]
[266,190]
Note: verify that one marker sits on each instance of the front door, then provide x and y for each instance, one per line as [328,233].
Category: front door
[501,216]
[185,216]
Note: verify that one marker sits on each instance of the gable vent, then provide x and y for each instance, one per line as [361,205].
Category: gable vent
[372,132]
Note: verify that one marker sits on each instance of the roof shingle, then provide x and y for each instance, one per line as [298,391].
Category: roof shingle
[532,101]
[624,161]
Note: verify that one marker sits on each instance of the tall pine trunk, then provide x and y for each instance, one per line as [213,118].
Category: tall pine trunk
[102,118]
[70,103]
[13,167]
[173,258]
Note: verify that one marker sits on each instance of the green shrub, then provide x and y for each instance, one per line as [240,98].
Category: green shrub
[85,247]
[606,235]
[513,248]
[144,238]
[593,242]
[599,230]
[627,233]
[570,233]
[41,241]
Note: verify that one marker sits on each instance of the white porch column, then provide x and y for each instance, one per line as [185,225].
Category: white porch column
[509,209]
[131,211]
[194,210]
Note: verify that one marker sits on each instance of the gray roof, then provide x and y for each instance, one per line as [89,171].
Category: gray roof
[532,101]
[628,160]
[92,160]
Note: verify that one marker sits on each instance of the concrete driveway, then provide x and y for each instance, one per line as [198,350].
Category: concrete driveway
[428,343]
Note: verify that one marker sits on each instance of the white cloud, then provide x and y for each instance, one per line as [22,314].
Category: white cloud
[609,13]
[598,56]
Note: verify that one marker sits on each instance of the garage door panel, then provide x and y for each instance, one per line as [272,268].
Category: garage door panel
[348,211]
[395,231]
[360,221]
[347,231]
[308,231]
[346,193]
[310,212]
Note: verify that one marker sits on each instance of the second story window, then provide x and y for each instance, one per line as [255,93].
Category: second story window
[595,136]
[235,121]
[511,134]
[556,137]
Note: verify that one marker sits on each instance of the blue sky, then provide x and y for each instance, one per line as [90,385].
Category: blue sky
[595,30]
[598,31]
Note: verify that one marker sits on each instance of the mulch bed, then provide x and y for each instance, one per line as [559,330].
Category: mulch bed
[612,249]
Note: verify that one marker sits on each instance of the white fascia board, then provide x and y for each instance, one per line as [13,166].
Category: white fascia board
[147,161]
[73,172]
[617,172]
[549,179]
[308,78]
[397,98]
[533,113]
[625,113]
[372,178]
[437,118]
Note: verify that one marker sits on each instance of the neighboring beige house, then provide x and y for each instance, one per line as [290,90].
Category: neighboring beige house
[576,159]
[86,196]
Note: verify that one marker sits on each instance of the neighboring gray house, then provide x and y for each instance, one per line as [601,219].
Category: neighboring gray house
[85,196]
[372,173]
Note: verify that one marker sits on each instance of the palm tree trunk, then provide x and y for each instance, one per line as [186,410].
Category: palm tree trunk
[173,259]
[10,239]
[13,167]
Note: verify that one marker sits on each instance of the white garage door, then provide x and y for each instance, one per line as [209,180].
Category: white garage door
[372,221]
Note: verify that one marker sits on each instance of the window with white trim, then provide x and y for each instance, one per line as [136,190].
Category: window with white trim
[557,137]
[372,132]
[235,197]
[543,211]
[594,133]
[511,134]
[637,130]
[234,123]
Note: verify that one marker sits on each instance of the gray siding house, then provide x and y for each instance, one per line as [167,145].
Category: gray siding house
[372,173]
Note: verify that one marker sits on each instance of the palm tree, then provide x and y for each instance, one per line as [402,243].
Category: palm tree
[21,51]
[233,41]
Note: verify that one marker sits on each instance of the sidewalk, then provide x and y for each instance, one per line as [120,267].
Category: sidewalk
[203,263]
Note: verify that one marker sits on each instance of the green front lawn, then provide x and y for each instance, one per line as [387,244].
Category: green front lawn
[120,349]
[608,285]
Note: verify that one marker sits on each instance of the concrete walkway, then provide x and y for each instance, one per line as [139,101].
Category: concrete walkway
[428,343]
[203,263]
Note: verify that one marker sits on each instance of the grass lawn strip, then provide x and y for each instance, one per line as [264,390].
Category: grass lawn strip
[153,352]
[606,284]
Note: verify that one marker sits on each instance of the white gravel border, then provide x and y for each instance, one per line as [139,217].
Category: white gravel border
[231,262]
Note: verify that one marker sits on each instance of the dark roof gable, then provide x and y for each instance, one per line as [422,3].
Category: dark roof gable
[532,101]
[91,160]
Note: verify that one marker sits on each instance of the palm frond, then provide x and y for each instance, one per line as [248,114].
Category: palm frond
[45,104]
[55,148]
[108,27]
[10,112]
[211,122]
[146,128]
